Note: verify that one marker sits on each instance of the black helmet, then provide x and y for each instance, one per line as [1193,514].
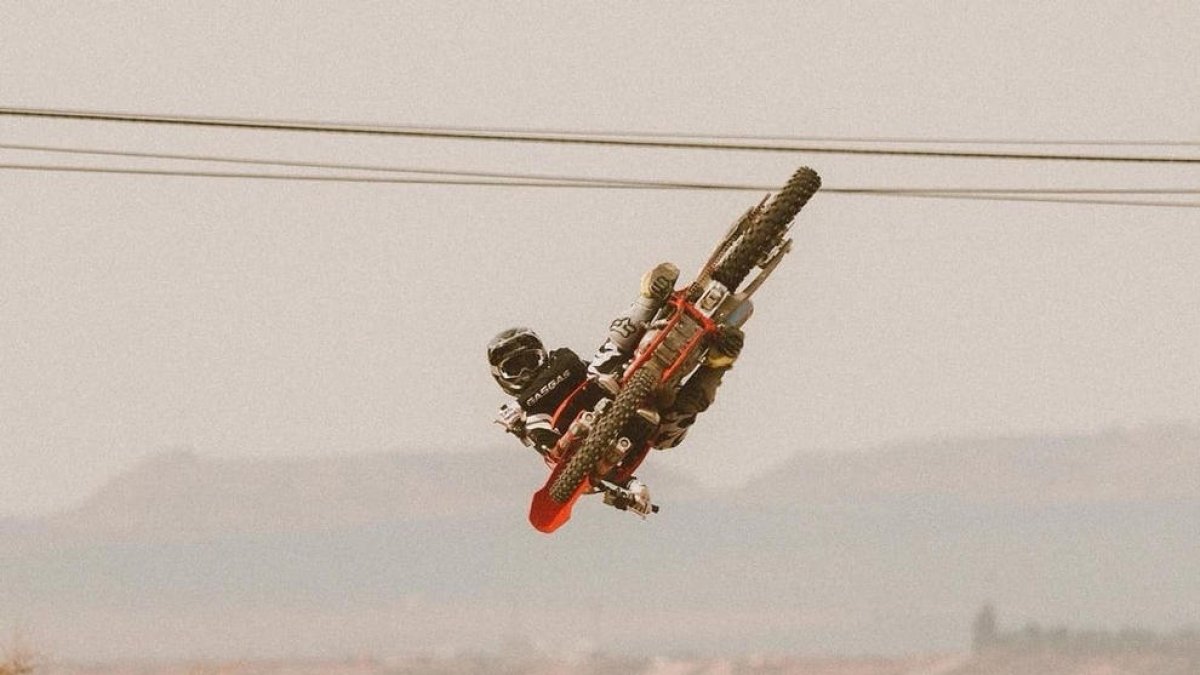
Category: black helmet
[515,355]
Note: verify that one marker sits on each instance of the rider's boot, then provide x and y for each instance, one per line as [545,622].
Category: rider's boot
[657,285]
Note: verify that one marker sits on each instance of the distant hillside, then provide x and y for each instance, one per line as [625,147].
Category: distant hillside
[1152,464]
[881,552]
[180,494]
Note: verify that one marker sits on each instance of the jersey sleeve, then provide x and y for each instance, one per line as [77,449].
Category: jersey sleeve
[540,432]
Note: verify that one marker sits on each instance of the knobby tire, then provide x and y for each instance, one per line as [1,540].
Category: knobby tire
[604,434]
[765,232]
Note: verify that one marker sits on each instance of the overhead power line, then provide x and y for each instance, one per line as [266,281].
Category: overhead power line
[792,138]
[309,177]
[368,167]
[562,180]
[1010,196]
[625,140]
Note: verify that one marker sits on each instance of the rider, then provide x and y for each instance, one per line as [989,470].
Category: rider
[541,382]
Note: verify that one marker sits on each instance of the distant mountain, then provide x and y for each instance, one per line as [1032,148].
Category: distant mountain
[887,551]
[181,494]
[1152,464]
[178,494]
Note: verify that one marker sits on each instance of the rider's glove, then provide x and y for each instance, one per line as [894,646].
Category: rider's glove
[512,418]
[726,346]
[696,394]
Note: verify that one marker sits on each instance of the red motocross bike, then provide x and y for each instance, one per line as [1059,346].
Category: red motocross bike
[603,447]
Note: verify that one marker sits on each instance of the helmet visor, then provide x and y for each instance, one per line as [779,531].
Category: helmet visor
[521,363]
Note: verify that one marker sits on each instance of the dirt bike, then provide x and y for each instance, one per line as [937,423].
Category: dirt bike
[603,447]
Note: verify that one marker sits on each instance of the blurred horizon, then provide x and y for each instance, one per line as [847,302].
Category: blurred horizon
[889,551]
[676,461]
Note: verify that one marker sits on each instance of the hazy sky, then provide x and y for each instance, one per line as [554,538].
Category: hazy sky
[247,318]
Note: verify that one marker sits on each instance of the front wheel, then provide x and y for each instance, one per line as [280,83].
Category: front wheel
[604,434]
[766,231]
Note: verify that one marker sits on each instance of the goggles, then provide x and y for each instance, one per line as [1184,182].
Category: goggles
[520,363]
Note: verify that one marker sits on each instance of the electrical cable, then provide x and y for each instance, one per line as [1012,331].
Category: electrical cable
[312,177]
[357,167]
[904,140]
[430,132]
[920,193]
[568,179]
[900,140]
[1033,199]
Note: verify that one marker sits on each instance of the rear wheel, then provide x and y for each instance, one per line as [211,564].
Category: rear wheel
[765,232]
[604,434]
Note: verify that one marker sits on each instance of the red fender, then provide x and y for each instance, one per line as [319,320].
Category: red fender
[547,515]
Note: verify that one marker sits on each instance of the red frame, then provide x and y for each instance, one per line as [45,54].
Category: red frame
[682,306]
[547,515]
